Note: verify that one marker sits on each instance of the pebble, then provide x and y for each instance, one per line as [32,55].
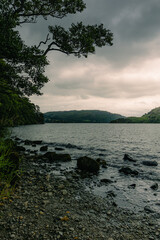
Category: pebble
[61,186]
[64,192]
[50,194]
[54,208]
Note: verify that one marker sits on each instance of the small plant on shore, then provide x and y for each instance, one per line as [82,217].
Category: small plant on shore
[9,167]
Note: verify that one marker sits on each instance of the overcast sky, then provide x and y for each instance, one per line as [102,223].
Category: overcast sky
[124,78]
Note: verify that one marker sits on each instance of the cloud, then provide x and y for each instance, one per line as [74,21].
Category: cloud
[123,78]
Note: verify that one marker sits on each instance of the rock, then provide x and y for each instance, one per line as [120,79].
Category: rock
[111,194]
[59,149]
[148,209]
[87,164]
[101,154]
[69,145]
[132,186]
[33,151]
[128,171]
[44,148]
[50,194]
[52,156]
[17,139]
[106,181]
[101,162]
[13,235]
[61,186]
[63,157]
[150,163]
[37,142]
[27,142]
[64,192]
[154,186]
[128,158]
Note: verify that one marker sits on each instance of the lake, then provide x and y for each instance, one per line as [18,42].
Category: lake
[109,142]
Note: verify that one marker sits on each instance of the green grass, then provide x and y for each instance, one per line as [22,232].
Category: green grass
[9,167]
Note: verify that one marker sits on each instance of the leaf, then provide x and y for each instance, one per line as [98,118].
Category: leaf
[65,218]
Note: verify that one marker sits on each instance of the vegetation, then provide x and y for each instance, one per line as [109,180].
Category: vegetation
[22,67]
[9,167]
[83,116]
[152,117]
[16,109]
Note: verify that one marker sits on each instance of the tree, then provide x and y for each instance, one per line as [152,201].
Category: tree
[27,64]
[15,109]
[22,67]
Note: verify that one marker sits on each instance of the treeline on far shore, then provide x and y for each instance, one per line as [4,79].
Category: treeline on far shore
[151,117]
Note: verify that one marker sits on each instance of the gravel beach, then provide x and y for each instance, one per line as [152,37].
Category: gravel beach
[58,207]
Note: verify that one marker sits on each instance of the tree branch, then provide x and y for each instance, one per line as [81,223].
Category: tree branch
[47,39]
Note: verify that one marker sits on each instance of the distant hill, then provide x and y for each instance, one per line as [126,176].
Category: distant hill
[83,116]
[151,117]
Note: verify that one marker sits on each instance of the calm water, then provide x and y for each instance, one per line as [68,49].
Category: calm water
[111,142]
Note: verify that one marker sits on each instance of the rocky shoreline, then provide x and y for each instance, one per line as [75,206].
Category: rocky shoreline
[58,207]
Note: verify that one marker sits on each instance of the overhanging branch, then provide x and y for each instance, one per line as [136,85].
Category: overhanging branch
[44,42]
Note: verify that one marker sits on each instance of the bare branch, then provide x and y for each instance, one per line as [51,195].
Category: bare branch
[47,39]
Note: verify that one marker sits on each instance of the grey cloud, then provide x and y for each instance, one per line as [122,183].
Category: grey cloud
[132,22]
[135,25]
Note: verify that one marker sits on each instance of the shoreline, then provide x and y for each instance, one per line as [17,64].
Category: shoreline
[51,207]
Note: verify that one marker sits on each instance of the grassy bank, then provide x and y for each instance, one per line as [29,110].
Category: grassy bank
[9,167]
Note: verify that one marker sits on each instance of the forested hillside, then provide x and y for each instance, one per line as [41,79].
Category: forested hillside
[83,116]
[151,117]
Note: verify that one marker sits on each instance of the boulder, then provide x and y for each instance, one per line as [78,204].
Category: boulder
[150,163]
[52,157]
[44,148]
[128,171]
[128,158]
[87,164]
[154,186]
